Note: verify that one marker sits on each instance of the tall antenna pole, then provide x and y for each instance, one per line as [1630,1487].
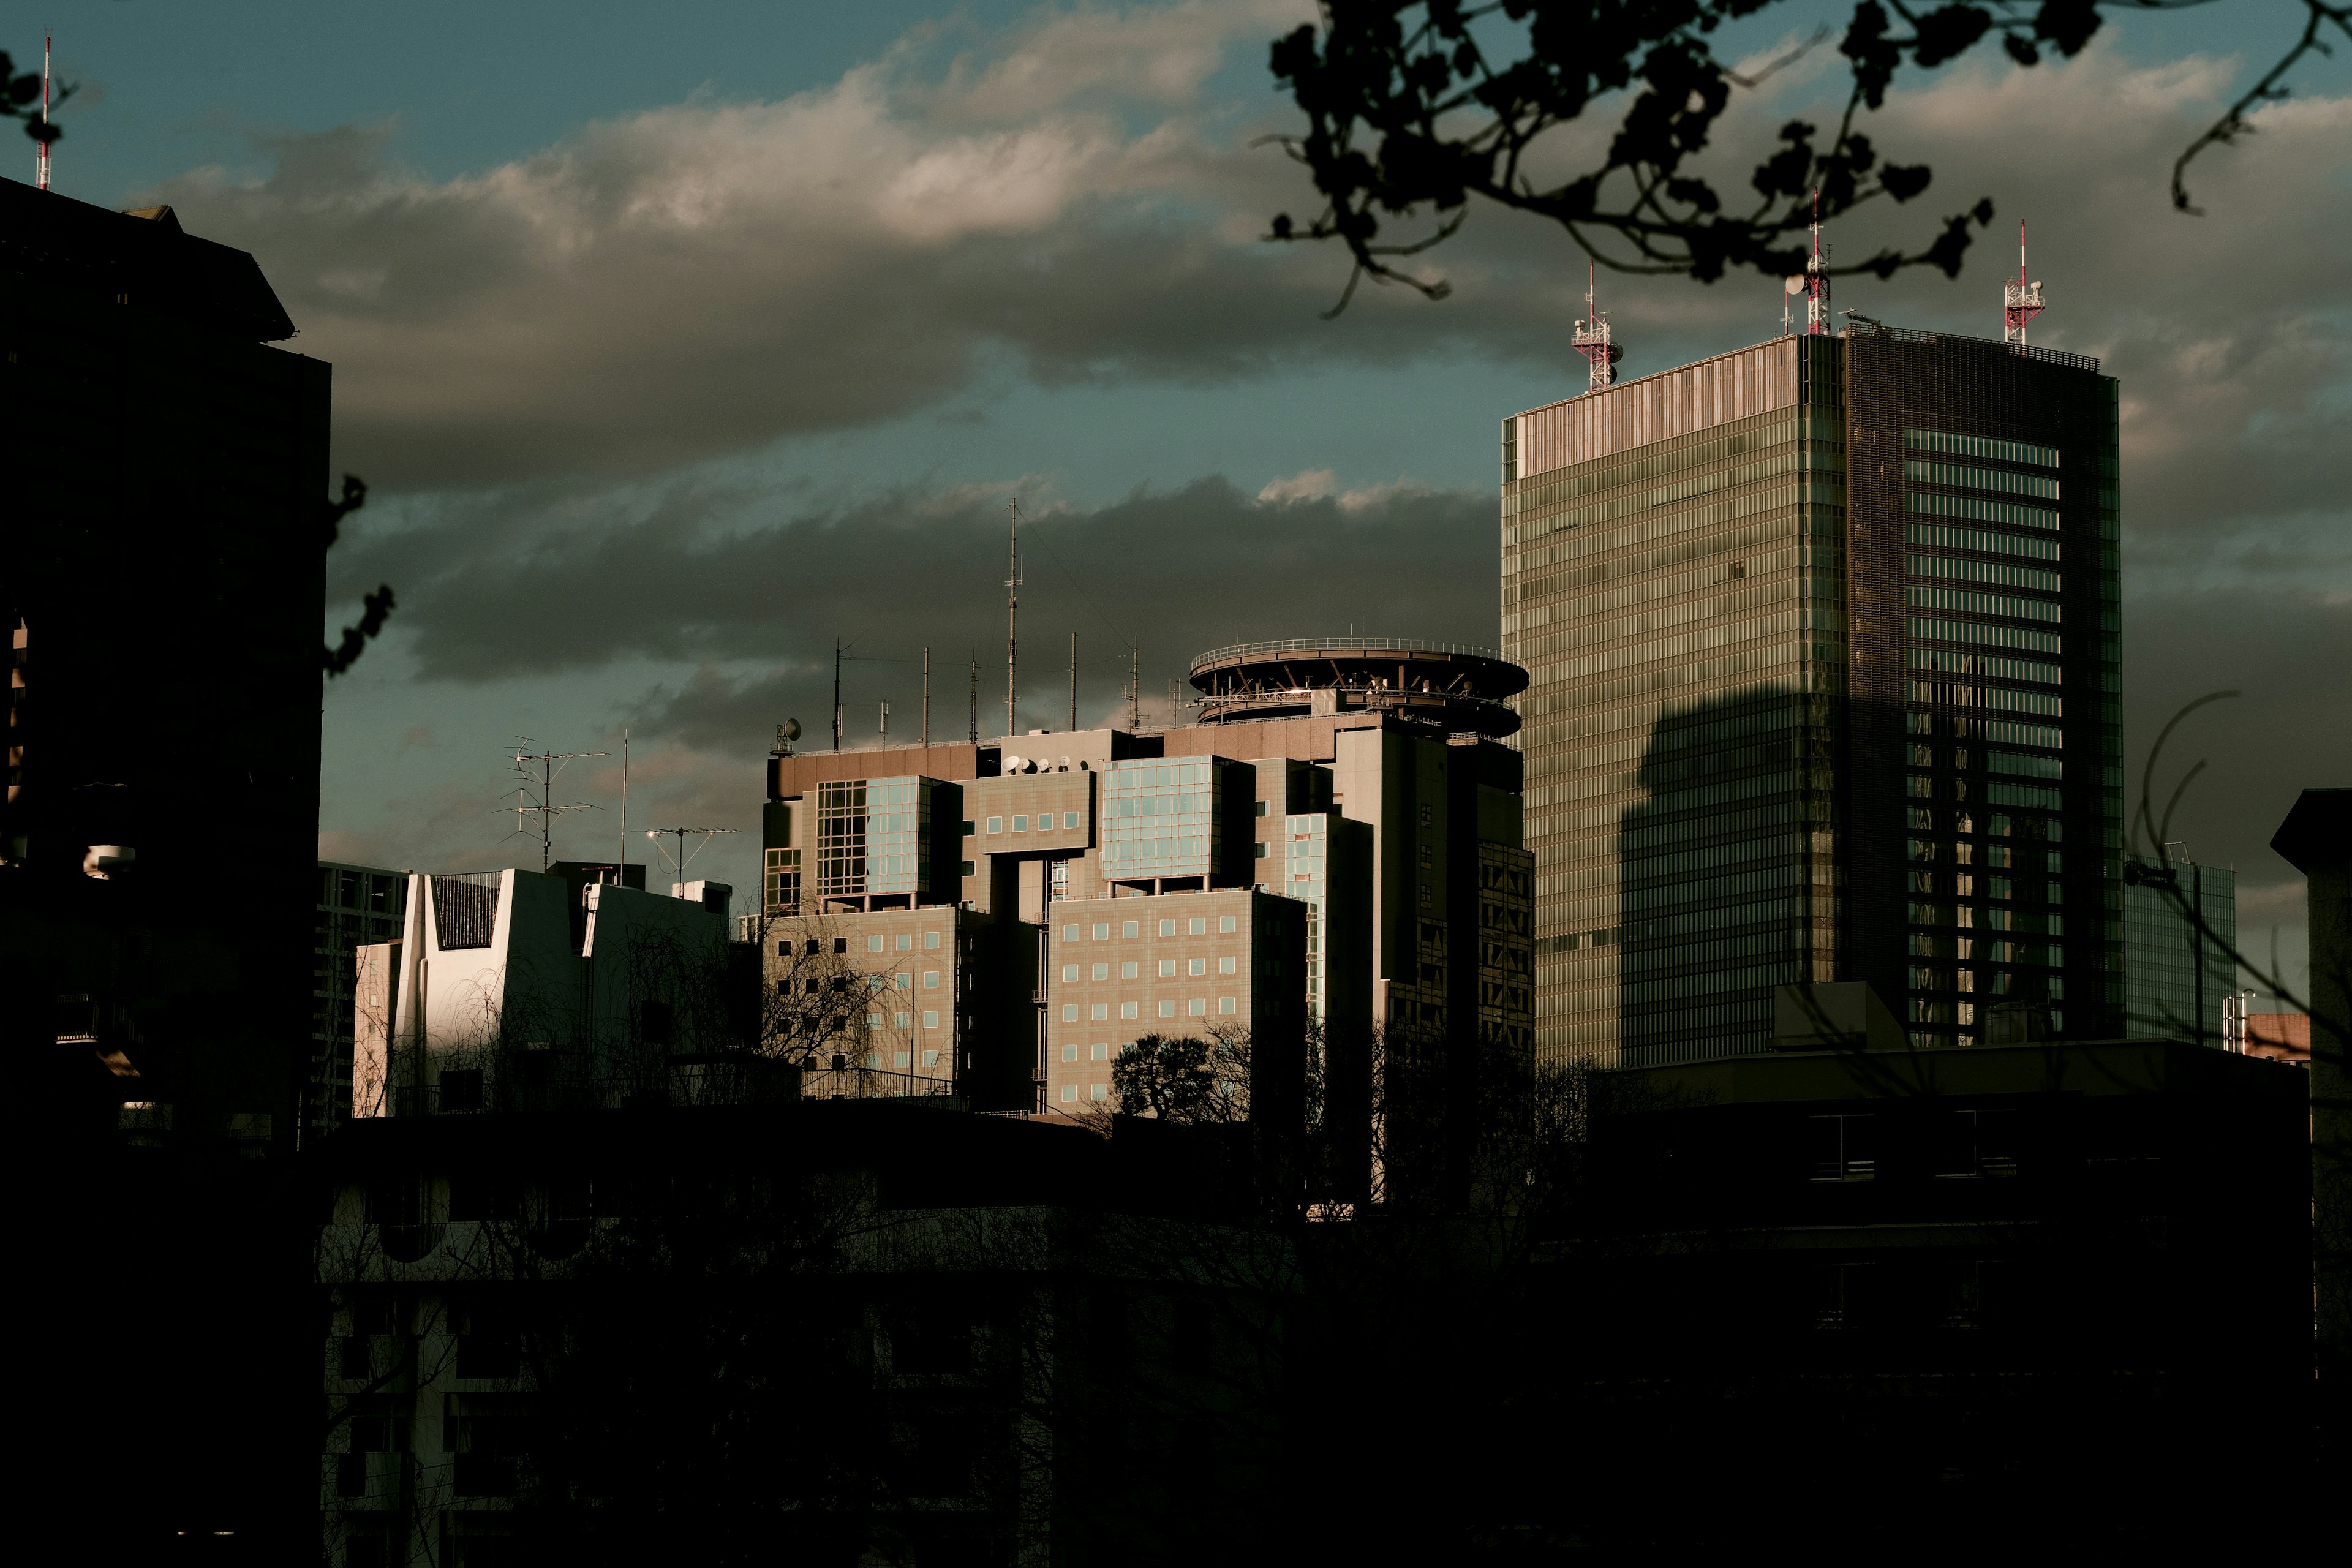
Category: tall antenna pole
[885,723]
[547,811]
[2019,301]
[623,861]
[1134,689]
[836,695]
[1013,624]
[677,862]
[41,158]
[927,698]
[1817,277]
[972,731]
[1592,340]
[1074,680]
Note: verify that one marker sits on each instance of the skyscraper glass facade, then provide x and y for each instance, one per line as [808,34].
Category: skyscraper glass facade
[2176,975]
[1163,818]
[1805,626]
[873,836]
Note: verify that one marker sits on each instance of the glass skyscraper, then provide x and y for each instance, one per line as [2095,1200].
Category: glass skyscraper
[2177,971]
[1822,643]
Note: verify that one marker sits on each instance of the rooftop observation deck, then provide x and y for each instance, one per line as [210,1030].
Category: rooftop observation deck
[1459,688]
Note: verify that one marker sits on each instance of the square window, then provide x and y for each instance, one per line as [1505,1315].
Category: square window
[966,868]
[874,1059]
[1200,925]
[1228,924]
[906,981]
[873,945]
[996,825]
[1197,966]
[1166,928]
[967,827]
[1069,1053]
[783,950]
[1069,819]
[1102,971]
[1069,1012]
[840,944]
[1100,1052]
[906,941]
[1069,974]
[1069,934]
[930,1021]
[1098,1091]
[1228,966]
[1168,1009]
[1261,808]
[1102,931]
[1131,969]
[1198,1007]
[898,1058]
[931,980]
[1167,969]
[931,1058]
[1069,1093]
[1127,1009]
[1225,1005]
[1021,824]
[874,1021]
[1101,1011]
[1129,930]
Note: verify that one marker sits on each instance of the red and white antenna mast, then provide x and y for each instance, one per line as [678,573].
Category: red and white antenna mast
[1601,355]
[41,158]
[2019,301]
[1817,277]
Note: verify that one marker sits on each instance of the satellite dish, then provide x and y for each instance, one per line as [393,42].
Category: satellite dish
[790,730]
[1793,284]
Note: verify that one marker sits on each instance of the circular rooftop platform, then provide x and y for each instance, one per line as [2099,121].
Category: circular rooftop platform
[1458,688]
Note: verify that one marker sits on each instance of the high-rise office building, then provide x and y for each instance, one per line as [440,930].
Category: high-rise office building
[1823,646]
[1336,839]
[2178,972]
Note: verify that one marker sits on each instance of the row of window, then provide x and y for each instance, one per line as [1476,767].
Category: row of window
[1198,925]
[1196,1007]
[1021,822]
[903,1021]
[1131,969]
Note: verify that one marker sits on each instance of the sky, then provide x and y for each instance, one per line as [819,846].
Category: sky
[682,346]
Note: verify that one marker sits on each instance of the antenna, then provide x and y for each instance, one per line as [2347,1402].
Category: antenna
[677,862]
[1134,689]
[1013,622]
[41,158]
[2019,301]
[972,733]
[926,699]
[885,723]
[1592,341]
[1074,681]
[546,810]
[836,694]
[1817,277]
[623,860]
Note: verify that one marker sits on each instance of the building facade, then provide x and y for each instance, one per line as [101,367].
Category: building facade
[358,905]
[1822,648]
[2178,972]
[1358,785]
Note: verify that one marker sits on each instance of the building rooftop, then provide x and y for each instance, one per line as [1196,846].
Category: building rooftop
[141,258]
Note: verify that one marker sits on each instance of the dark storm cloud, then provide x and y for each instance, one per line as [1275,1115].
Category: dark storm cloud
[689,579]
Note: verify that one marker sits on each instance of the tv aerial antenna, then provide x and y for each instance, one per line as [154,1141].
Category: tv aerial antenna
[1592,340]
[551,767]
[679,860]
[1817,278]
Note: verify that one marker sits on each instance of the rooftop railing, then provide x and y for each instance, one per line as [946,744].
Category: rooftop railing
[1341,645]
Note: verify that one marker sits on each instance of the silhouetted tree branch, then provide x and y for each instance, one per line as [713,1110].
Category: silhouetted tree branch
[20,98]
[378,606]
[1413,108]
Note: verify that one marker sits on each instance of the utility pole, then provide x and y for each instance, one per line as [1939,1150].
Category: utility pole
[1012,625]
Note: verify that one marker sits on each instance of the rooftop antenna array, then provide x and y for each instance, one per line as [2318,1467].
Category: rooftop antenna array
[1601,355]
[1817,277]
[677,862]
[41,158]
[971,733]
[1013,622]
[2019,301]
[547,811]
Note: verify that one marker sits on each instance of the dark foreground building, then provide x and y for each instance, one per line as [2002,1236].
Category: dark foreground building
[162,577]
[823,1331]
[2023,1286]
